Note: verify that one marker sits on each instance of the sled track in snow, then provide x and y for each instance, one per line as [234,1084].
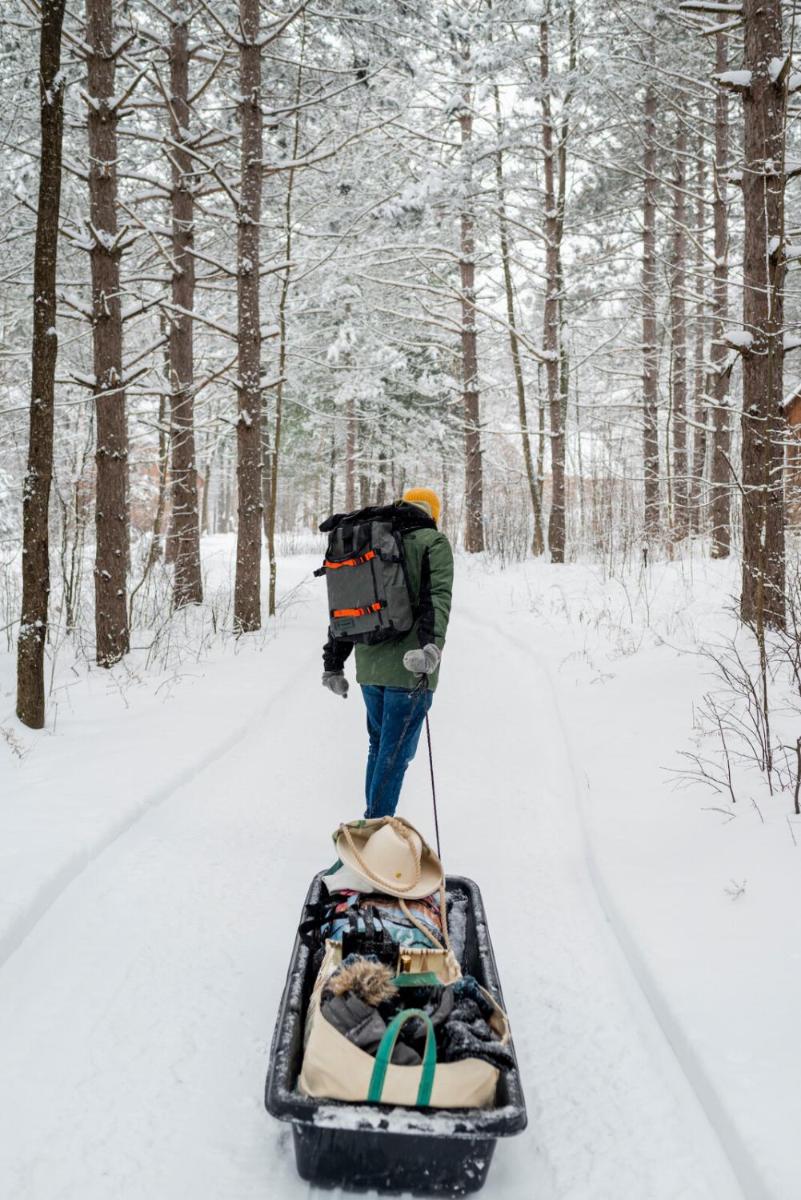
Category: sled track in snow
[51,889]
[736,1152]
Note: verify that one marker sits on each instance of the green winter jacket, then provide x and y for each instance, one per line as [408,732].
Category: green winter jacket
[382,664]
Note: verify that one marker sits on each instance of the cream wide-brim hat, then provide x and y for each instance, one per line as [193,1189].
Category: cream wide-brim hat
[390,856]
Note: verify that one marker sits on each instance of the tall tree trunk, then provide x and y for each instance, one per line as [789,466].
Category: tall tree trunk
[227,490]
[381,488]
[538,541]
[111,456]
[247,595]
[332,466]
[188,585]
[552,314]
[541,436]
[161,497]
[720,478]
[272,505]
[699,440]
[351,425]
[764,103]
[678,330]
[561,195]
[266,466]
[364,466]
[204,504]
[44,351]
[650,367]
[474,483]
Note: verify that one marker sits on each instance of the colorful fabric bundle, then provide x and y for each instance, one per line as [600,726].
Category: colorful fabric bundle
[388,914]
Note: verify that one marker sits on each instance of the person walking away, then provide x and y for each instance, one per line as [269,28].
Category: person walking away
[398,678]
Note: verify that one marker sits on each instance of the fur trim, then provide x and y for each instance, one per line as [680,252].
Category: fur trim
[372,981]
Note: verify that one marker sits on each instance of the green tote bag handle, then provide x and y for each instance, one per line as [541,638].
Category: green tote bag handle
[384,1057]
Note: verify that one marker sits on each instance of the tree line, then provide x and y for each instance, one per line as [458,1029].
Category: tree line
[289,256]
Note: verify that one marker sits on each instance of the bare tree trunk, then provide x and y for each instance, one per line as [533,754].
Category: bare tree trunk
[764,103]
[77,514]
[351,424]
[364,466]
[332,466]
[44,351]
[699,440]
[538,542]
[188,585]
[720,475]
[226,490]
[163,463]
[204,506]
[266,466]
[282,347]
[111,457]
[541,436]
[381,490]
[170,540]
[561,159]
[247,596]
[650,371]
[474,483]
[552,315]
[678,331]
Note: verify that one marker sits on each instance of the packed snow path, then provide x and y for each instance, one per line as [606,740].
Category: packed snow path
[135,1019]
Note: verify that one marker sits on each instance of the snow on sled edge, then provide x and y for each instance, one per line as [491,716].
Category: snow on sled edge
[379,1147]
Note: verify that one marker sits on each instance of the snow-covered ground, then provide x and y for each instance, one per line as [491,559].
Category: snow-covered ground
[156,845]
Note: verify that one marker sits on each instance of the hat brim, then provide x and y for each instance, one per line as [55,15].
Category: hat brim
[431,873]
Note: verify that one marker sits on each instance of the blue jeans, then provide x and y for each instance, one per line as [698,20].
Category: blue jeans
[394,719]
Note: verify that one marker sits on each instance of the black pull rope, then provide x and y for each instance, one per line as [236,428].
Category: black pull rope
[431,769]
[433,786]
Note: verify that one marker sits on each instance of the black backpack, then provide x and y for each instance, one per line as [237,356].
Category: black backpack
[369,597]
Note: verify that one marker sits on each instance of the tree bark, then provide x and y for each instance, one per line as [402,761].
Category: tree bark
[247,593]
[282,347]
[764,103]
[111,455]
[351,425]
[720,478]
[44,352]
[381,487]
[474,483]
[187,580]
[650,370]
[699,439]
[538,540]
[204,504]
[161,497]
[552,315]
[561,195]
[678,331]
[332,467]
[364,465]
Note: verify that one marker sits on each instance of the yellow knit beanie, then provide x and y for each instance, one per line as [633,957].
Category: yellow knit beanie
[425,498]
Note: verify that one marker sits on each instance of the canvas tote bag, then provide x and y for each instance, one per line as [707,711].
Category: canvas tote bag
[336,1069]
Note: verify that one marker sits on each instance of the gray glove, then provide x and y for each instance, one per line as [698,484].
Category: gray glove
[336,682]
[422,662]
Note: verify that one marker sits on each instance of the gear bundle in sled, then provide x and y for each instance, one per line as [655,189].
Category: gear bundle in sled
[392,1006]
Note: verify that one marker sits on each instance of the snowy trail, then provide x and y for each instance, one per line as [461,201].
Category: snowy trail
[135,1019]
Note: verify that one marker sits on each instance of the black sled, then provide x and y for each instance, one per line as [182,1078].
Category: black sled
[362,1147]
